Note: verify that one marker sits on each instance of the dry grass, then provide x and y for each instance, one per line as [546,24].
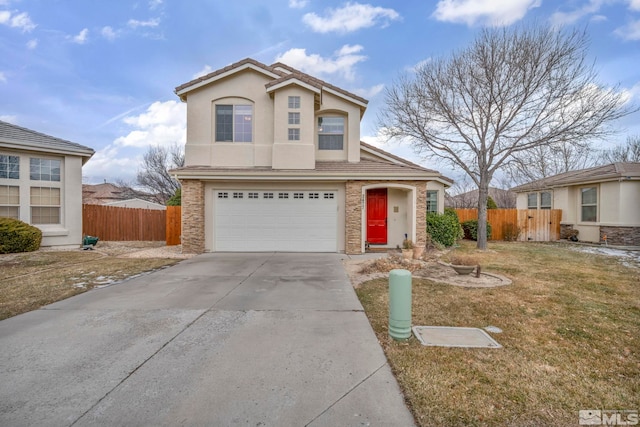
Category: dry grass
[571,325]
[32,280]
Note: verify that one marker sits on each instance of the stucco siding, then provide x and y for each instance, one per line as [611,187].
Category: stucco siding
[245,87]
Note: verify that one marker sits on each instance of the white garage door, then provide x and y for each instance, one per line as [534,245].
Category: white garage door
[285,221]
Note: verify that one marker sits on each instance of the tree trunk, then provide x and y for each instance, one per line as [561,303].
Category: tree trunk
[483,194]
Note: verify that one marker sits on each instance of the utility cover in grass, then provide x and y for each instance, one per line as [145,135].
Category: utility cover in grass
[445,336]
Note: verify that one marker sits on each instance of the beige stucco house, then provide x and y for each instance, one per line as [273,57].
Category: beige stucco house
[274,162]
[600,202]
[41,183]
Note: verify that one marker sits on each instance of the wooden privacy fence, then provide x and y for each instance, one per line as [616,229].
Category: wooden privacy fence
[538,225]
[118,224]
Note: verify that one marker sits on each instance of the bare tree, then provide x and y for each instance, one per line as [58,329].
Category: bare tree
[630,152]
[461,194]
[512,90]
[543,161]
[153,175]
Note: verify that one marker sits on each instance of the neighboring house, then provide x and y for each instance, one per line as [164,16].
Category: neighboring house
[598,202]
[41,183]
[505,199]
[113,195]
[137,204]
[274,162]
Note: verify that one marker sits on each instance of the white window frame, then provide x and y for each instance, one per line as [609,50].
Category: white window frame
[550,205]
[293,134]
[238,112]
[293,102]
[10,169]
[9,202]
[583,205]
[432,192]
[50,206]
[532,197]
[322,131]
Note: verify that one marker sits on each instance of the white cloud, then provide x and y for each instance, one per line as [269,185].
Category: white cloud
[483,12]
[20,20]
[206,70]
[298,4]
[109,33]
[164,124]
[154,4]
[81,37]
[32,44]
[368,93]
[134,23]
[631,31]
[111,163]
[634,4]
[3,78]
[568,18]
[351,17]
[414,68]
[342,62]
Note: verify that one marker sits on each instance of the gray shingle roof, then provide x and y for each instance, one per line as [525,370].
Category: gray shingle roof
[583,176]
[369,169]
[22,138]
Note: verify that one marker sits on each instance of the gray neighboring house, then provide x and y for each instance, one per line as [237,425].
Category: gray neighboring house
[41,183]
[597,202]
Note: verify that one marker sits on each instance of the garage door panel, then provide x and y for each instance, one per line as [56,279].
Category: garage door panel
[275,220]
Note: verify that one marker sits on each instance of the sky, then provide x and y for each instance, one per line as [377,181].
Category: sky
[102,73]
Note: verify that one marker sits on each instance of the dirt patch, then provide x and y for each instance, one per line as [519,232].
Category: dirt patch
[360,271]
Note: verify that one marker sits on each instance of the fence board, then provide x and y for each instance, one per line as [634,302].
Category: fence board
[174,225]
[541,225]
[121,224]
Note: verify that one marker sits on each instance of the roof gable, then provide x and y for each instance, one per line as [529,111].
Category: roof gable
[12,136]
[282,75]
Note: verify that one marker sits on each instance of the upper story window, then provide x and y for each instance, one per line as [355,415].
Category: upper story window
[589,204]
[330,133]
[294,118]
[9,167]
[294,134]
[294,102]
[234,123]
[432,201]
[44,169]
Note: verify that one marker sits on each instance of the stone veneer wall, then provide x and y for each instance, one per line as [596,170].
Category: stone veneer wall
[622,236]
[565,229]
[353,211]
[192,216]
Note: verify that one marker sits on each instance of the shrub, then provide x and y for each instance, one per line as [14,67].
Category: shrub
[491,204]
[444,228]
[176,199]
[17,236]
[511,232]
[470,228]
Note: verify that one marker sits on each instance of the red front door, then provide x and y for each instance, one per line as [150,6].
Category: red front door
[377,216]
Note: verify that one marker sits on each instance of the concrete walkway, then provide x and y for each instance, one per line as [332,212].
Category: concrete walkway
[218,340]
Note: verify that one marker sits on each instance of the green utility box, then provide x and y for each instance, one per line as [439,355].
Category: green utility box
[400,304]
[89,241]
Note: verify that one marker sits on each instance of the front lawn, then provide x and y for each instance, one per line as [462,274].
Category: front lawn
[571,340]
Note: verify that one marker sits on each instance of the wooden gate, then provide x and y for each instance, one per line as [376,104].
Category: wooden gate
[174,225]
[539,225]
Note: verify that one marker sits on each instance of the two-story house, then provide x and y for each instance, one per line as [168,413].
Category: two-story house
[274,162]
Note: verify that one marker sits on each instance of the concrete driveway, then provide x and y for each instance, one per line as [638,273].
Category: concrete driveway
[218,340]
